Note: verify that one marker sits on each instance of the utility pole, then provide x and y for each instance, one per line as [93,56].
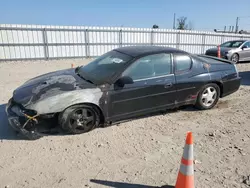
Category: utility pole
[237,25]
[174,22]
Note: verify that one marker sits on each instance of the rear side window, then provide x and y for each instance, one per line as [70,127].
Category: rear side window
[182,63]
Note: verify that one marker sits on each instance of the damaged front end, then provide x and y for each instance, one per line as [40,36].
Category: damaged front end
[28,122]
[35,106]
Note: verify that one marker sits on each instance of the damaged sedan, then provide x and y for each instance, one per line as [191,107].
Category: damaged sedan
[122,84]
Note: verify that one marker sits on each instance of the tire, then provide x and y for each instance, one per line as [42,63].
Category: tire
[206,100]
[79,119]
[235,58]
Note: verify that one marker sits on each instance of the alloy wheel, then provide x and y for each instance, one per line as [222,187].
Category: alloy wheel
[235,58]
[82,119]
[209,96]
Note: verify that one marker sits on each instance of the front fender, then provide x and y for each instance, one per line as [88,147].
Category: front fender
[57,103]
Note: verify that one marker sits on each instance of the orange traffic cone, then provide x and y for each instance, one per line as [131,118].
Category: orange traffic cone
[185,177]
[72,65]
[219,56]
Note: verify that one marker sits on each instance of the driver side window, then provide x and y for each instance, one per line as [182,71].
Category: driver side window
[149,66]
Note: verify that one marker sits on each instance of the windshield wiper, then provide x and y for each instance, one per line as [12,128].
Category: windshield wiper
[85,78]
[77,72]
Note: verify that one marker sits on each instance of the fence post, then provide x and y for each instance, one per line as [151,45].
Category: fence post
[152,37]
[45,44]
[86,37]
[178,39]
[120,38]
[203,43]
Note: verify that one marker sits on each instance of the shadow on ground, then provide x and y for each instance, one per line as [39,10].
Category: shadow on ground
[6,132]
[245,78]
[244,62]
[124,185]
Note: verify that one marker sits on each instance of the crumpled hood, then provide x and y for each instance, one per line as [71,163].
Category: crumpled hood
[48,85]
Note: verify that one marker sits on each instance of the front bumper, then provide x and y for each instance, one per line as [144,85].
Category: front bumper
[223,55]
[16,122]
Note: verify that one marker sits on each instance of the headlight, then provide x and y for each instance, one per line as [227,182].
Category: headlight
[20,112]
[17,110]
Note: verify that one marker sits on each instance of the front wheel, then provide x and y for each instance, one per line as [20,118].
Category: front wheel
[79,119]
[235,58]
[208,97]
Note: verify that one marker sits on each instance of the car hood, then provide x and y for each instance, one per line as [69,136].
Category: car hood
[222,49]
[49,85]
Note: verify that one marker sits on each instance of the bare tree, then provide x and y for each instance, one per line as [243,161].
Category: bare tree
[181,23]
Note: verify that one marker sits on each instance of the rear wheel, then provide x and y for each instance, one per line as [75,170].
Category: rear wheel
[235,58]
[208,97]
[79,119]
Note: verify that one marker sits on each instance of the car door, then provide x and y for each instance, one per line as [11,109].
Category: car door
[186,83]
[245,53]
[153,88]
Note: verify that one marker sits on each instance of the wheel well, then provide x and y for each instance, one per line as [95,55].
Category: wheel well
[102,119]
[220,86]
[237,54]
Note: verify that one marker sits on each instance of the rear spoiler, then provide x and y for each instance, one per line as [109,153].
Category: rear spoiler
[215,58]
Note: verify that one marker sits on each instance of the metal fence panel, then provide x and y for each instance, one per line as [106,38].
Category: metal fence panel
[24,42]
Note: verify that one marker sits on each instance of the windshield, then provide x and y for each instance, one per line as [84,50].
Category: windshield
[232,44]
[104,67]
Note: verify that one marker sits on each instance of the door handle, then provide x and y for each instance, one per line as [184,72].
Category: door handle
[168,85]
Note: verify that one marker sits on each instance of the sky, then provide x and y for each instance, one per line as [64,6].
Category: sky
[203,14]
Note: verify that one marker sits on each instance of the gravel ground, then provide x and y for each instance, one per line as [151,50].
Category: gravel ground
[140,153]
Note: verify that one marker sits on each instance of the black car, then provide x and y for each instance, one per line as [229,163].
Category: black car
[121,84]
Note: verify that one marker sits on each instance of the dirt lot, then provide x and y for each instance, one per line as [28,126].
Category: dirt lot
[140,153]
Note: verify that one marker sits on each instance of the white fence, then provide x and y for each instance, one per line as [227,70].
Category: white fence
[23,42]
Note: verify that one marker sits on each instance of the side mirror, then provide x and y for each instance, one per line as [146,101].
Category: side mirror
[244,47]
[124,80]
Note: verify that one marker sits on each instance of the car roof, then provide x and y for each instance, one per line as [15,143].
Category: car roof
[240,40]
[145,50]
